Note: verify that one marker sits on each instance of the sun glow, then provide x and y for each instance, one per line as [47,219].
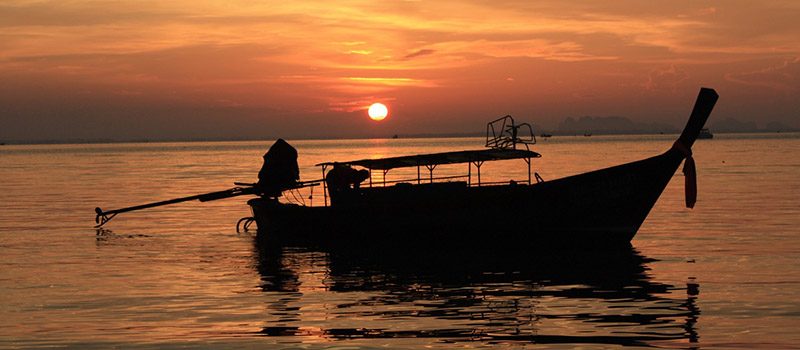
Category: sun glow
[378,111]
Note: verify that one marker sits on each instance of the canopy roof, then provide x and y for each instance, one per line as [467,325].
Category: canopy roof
[440,158]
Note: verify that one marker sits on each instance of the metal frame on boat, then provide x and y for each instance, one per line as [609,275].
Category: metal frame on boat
[502,139]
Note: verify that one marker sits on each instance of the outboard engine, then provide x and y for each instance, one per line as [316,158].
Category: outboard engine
[280,171]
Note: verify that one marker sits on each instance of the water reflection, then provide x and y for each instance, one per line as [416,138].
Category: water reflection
[554,298]
[105,236]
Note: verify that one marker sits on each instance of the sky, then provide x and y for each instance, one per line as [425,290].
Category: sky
[159,70]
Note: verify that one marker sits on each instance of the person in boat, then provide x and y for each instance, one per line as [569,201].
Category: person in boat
[342,178]
[280,171]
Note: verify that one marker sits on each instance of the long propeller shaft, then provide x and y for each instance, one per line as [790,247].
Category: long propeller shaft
[103,216]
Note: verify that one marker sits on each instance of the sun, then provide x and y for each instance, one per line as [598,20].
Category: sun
[378,111]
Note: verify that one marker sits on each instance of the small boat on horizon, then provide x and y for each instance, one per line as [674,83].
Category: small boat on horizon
[705,134]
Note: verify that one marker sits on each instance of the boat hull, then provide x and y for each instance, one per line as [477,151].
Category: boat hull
[603,207]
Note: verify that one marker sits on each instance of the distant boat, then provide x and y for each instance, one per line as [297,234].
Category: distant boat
[395,136]
[546,135]
[587,134]
[705,134]
[596,208]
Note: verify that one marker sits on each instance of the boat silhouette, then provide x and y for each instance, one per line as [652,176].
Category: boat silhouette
[600,207]
[705,134]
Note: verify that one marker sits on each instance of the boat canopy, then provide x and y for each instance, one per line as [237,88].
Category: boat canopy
[439,158]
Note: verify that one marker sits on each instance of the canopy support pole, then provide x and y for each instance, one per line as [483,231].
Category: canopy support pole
[528,160]
[419,180]
[469,174]
[478,166]
[324,185]
[430,170]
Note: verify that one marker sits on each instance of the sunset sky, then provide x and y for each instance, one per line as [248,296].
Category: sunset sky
[72,69]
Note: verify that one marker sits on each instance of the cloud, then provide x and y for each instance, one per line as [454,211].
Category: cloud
[783,77]
[707,11]
[355,105]
[368,35]
[531,48]
[314,55]
[418,53]
[67,14]
[666,78]
[392,81]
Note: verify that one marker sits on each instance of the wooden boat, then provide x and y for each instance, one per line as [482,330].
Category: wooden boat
[705,134]
[600,207]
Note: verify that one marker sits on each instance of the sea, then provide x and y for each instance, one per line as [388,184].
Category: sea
[723,275]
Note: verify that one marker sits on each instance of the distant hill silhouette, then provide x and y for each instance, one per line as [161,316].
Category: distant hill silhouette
[778,127]
[622,125]
[732,125]
[611,125]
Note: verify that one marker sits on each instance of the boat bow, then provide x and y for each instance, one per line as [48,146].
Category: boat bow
[706,100]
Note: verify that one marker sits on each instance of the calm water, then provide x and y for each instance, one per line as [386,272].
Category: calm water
[723,275]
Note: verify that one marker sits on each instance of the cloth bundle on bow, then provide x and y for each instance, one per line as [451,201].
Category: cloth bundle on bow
[689,173]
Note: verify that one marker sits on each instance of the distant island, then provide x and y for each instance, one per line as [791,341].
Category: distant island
[586,125]
[621,125]
[591,125]
[610,125]
[731,125]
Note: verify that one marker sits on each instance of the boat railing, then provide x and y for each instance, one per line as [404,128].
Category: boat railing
[472,180]
[306,196]
[506,182]
[444,178]
[416,180]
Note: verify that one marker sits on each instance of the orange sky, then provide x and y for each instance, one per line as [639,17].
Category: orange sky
[249,69]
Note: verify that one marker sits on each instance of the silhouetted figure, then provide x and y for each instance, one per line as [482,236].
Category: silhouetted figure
[280,170]
[343,177]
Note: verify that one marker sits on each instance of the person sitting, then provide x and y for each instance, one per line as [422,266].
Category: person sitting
[342,178]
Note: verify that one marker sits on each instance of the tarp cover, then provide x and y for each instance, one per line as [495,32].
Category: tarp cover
[440,158]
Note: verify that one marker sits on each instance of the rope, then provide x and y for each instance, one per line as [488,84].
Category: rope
[295,193]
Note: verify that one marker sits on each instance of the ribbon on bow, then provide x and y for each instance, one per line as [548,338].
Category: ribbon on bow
[689,173]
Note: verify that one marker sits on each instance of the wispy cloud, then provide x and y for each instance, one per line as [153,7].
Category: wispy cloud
[665,79]
[354,105]
[418,53]
[783,77]
[392,81]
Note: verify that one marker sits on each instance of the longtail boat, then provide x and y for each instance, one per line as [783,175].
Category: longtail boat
[601,207]
[604,207]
